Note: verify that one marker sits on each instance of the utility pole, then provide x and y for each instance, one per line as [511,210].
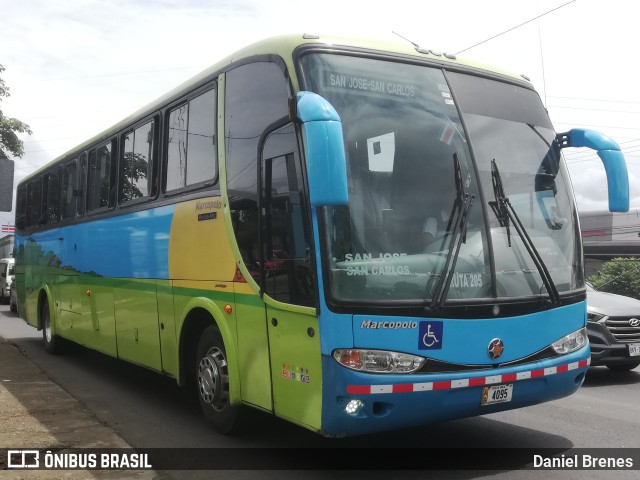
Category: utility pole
[7,168]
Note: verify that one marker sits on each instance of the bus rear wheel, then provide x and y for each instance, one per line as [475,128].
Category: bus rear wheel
[212,381]
[52,343]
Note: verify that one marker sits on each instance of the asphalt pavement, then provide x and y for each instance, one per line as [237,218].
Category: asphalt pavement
[36,413]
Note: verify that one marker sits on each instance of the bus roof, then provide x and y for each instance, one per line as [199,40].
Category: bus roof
[283,46]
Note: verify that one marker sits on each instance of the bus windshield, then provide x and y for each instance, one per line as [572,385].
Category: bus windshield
[410,130]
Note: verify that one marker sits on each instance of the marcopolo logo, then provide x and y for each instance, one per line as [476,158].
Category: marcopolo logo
[371,325]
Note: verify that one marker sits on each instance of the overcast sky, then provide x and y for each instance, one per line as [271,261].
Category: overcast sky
[76,67]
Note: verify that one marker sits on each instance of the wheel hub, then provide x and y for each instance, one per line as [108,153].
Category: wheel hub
[213,379]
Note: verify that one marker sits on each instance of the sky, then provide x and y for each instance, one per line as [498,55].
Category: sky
[76,67]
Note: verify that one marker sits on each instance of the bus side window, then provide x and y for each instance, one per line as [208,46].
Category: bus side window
[34,202]
[136,164]
[285,229]
[83,172]
[191,143]
[101,192]
[21,208]
[52,214]
[256,95]
[68,194]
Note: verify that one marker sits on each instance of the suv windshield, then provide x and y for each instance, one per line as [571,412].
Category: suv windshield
[406,146]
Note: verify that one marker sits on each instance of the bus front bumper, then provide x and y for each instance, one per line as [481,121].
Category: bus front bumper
[356,403]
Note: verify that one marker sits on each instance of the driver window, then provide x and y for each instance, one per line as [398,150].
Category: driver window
[285,254]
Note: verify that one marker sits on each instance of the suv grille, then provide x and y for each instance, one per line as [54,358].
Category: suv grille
[622,330]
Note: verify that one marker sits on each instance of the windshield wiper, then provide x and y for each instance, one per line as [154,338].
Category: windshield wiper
[499,206]
[458,226]
[505,212]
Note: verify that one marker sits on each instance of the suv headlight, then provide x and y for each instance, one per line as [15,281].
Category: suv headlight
[378,361]
[571,342]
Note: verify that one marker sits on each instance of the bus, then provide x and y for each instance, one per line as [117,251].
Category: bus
[353,235]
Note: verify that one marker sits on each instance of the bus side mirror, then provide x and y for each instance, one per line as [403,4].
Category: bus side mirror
[614,164]
[324,149]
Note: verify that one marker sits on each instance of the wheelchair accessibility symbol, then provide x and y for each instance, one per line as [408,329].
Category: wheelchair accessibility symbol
[430,336]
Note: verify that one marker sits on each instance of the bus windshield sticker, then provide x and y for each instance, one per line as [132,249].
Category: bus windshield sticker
[446,94]
[381,151]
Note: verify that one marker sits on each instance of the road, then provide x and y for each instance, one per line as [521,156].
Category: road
[150,411]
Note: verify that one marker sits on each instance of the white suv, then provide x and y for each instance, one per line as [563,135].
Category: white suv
[613,328]
[6,277]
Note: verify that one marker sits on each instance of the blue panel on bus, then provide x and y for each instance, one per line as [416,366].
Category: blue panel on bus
[132,246]
[467,340]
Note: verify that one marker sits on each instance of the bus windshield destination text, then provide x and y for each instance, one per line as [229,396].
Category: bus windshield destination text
[354,82]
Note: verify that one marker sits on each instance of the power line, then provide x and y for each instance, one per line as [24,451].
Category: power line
[594,109]
[87,112]
[594,99]
[581,155]
[102,75]
[599,126]
[513,28]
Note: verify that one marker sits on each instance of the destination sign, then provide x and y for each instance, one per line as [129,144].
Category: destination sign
[370,84]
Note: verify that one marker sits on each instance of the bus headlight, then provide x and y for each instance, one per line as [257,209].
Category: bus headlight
[378,361]
[571,342]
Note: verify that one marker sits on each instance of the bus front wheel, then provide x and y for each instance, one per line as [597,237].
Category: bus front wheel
[212,381]
[52,343]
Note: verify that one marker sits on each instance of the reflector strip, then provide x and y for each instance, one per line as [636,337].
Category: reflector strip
[422,387]
[464,382]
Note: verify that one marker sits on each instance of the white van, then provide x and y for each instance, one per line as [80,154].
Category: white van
[6,276]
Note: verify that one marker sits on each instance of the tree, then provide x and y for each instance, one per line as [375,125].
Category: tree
[9,128]
[134,174]
[619,275]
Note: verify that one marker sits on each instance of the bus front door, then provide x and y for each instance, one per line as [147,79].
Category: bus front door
[286,282]
[296,371]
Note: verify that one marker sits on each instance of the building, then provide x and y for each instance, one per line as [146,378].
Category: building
[6,246]
[607,235]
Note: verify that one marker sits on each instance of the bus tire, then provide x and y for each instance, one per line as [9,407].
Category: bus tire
[212,383]
[52,343]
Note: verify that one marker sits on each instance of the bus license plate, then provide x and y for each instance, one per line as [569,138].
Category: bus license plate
[497,394]
[634,349]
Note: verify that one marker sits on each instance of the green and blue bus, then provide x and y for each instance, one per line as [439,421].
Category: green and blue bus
[353,235]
